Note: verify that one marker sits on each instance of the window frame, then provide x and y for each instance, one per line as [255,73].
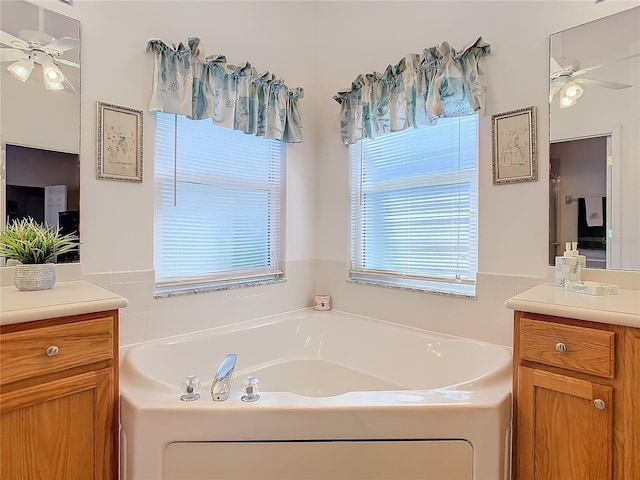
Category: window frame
[442,284]
[274,270]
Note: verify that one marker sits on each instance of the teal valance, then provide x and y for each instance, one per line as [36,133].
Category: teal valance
[233,96]
[418,90]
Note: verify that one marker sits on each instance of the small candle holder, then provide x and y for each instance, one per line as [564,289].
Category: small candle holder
[322,302]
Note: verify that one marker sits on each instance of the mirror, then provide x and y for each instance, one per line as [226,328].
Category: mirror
[594,154]
[40,116]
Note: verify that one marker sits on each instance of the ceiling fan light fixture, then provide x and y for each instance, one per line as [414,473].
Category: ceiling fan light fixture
[21,69]
[52,72]
[566,102]
[573,90]
[53,85]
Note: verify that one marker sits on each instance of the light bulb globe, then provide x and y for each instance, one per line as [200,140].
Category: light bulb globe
[21,69]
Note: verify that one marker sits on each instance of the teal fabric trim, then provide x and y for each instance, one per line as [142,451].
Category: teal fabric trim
[418,90]
[233,96]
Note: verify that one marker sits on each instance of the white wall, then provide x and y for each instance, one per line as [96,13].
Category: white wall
[320,46]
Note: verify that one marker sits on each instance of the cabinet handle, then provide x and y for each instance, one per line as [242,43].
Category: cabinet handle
[52,351]
[599,404]
[561,347]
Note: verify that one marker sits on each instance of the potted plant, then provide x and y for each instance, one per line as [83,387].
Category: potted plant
[34,246]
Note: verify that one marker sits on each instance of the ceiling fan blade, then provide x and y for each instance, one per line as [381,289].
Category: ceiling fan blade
[67,62]
[601,83]
[61,45]
[12,41]
[69,86]
[554,65]
[11,55]
[594,67]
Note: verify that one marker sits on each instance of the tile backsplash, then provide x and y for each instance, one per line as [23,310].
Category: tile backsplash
[150,318]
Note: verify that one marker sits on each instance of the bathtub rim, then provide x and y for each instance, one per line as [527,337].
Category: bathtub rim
[489,389]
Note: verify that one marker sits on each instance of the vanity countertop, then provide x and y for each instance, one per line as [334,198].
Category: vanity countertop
[65,298]
[621,309]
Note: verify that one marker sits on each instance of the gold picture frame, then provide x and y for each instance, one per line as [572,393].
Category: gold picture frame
[513,136]
[119,143]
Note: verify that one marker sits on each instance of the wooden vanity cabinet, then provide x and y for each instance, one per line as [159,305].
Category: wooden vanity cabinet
[576,399]
[59,398]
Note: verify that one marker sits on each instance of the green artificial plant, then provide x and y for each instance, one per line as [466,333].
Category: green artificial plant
[30,242]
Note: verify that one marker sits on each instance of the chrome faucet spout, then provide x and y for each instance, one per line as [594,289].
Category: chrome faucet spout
[221,385]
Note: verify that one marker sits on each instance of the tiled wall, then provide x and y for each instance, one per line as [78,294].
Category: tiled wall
[149,318]
[484,317]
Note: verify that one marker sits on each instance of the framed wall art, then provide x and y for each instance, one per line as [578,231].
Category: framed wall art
[119,143]
[513,136]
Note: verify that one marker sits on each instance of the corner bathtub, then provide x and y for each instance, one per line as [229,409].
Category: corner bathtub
[342,397]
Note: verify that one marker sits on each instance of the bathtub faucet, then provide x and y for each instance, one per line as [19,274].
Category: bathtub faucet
[221,385]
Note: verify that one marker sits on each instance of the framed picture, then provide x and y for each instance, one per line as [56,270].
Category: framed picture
[119,143]
[513,137]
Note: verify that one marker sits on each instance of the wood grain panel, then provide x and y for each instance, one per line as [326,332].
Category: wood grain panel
[39,449]
[22,353]
[588,350]
[571,437]
[560,434]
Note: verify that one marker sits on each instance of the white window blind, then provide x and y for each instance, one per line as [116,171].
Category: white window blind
[414,207]
[219,197]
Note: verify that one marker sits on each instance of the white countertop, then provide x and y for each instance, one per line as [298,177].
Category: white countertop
[547,298]
[65,298]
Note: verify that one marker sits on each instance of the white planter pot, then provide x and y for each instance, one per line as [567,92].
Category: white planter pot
[40,276]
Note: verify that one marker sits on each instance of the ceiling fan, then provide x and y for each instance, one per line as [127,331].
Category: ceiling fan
[567,80]
[33,47]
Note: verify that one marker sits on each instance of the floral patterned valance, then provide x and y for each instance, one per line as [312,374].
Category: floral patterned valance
[233,96]
[416,91]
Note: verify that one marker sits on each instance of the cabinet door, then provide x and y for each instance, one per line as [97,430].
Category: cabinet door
[565,427]
[59,430]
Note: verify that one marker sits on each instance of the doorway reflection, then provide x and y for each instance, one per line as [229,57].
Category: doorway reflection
[44,185]
[578,198]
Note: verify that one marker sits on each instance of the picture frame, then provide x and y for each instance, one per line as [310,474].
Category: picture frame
[513,136]
[119,143]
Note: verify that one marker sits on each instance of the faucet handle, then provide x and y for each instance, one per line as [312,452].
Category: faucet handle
[250,388]
[190,387]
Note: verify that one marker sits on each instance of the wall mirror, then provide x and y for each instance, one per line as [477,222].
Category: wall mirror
[40,116]
[594,177]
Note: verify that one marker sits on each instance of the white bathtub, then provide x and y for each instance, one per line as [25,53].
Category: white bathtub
[342,397]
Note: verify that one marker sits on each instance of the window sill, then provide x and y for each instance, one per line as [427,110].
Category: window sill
[180,290]
[437,288]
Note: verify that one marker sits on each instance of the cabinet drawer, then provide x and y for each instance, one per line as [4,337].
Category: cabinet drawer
[581,349]
[27,353]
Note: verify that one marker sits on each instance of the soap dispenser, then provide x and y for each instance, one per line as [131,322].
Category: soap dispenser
[582,260]
[568,267]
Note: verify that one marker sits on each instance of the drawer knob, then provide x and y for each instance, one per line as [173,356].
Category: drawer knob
[52,351]
[599,404]
[561,347]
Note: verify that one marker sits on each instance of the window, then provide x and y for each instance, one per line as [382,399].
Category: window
[226,224]
[414,208]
